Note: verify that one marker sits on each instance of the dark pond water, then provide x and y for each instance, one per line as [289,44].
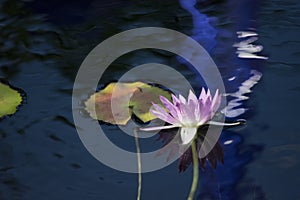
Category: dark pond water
[43,44]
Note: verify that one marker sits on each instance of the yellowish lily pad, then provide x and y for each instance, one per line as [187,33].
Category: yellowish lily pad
[118,101]
[10,99]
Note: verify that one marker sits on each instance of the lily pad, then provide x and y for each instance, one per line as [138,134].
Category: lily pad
[10,99]
[118,101]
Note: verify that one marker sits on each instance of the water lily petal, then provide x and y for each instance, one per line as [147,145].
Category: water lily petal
[193,105]
[208,95]
[178,106]
[205,110]
[204,120]
[182,99]
[187,134]
[159,112]
[216,97]
[188,115]
[158,128]
[175,100]
[224,124]
[173,110]
[216,102]
[192,97]
[190,112]
[202,95]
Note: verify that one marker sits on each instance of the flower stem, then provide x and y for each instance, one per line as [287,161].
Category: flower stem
[196,171]
[138,153]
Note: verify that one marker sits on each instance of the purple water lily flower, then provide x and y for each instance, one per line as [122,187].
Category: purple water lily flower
[188,114]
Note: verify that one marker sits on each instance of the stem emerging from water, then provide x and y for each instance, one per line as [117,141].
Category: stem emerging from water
[196,171]
[138,153]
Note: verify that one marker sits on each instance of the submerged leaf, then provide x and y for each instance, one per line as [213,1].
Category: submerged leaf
[10,99]
[126,98]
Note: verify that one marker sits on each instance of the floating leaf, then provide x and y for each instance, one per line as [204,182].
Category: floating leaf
[10,99]
[127,99]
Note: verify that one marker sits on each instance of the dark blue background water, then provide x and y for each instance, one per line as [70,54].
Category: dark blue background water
[42,46]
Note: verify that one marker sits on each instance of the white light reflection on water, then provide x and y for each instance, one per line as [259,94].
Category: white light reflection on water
[247,50]
[232,110]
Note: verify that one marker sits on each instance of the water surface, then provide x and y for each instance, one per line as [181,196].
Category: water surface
[42,46]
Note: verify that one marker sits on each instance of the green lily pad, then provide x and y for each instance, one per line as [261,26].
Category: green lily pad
[10,99]
[126,98]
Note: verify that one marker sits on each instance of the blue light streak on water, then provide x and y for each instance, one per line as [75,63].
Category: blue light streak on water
[202,31]
[221,183]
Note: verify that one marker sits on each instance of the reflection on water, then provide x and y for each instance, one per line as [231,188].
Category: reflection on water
[202,30]
[247,50]
[43,44]
[235,106]
[244,34]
